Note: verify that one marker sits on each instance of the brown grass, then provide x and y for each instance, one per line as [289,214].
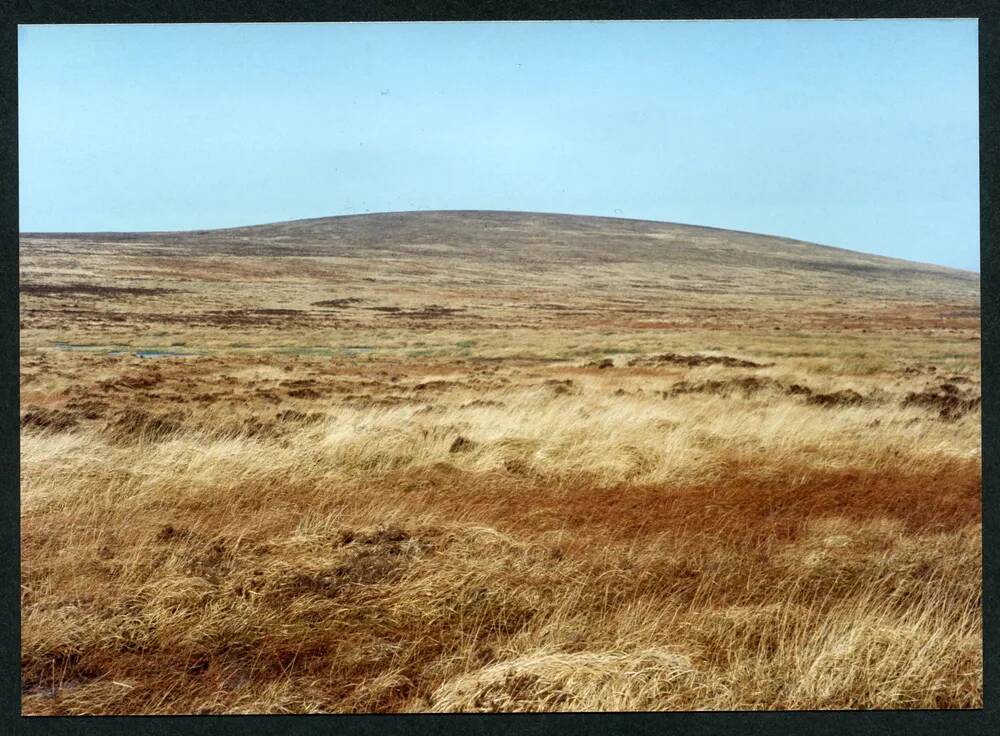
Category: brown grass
[452,505]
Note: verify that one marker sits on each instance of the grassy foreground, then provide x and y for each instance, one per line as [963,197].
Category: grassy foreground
[754,502]
[514,537]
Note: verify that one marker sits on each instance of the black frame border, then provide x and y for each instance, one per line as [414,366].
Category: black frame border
[984,721]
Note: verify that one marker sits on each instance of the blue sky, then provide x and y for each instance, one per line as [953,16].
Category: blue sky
[860,134]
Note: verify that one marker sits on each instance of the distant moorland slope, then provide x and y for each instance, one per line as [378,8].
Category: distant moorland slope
[718,259]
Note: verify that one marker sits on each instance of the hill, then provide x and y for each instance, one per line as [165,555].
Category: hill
[650,255]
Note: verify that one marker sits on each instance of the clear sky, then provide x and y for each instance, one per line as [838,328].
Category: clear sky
[859,134]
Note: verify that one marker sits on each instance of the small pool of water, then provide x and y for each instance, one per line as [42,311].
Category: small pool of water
[157,354]
[118,350]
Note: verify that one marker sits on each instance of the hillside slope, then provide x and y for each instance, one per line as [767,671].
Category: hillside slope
[666,254]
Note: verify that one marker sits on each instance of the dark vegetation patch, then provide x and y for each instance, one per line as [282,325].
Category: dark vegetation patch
[962,313]
[263,317]
[692,361]
[275,312]
[96,316]
[367,401]
[134,424]
[77,410]
[293,416]
[752,384]
[482,403]
[552,306]
[560,386]
[847,397]
[254,427]
[248,316]
[948,400]
[383,535]
[268,395]
[462,444]
[337,303]
[363,558]
[132,382]
[169,532]
[88,408]
[57,420]
[298,383]
[518,691]
[92,290]
[305,388]
[205,558]
[433,386]
[745,384]
[434,311]
[210,563]
[431,311]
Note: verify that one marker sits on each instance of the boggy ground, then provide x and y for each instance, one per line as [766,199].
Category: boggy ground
[547,497]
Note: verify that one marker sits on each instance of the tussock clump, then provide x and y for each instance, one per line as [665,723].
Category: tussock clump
[360,566]
[462,444]
[561,387]
[746,385]
[291,416]
[132,425]
[279,425]
[645,679]
[481,403]
[337,303]
[55,420]
[382,535]
[948,400]
[88,408]
[959,379]
[695,361]
[298,383]
[847,397]
[168,532]
[557,383]
[133,382]
[433,386]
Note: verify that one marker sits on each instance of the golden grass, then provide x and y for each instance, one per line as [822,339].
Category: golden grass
[470,514]
[602,547]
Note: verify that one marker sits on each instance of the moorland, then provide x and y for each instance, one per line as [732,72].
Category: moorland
[468,461]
